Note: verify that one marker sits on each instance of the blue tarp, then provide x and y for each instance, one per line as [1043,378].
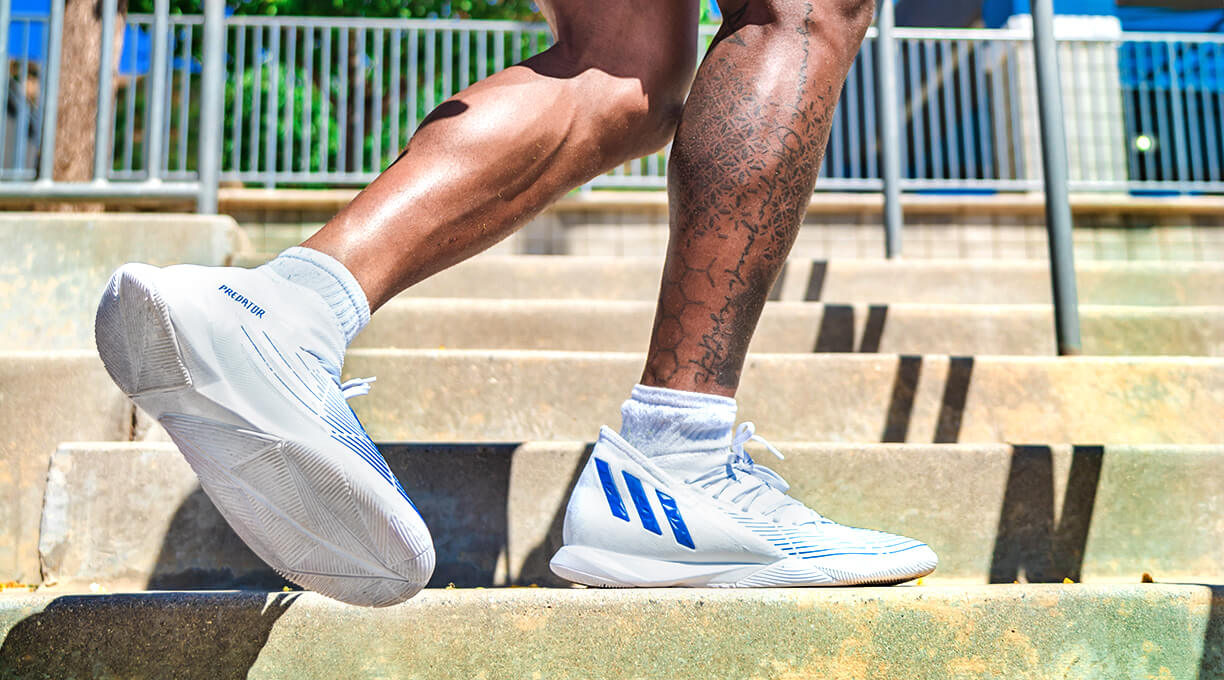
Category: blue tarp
[1199,66]
[1181,21]
[995,13]
[29,26]
[25,37]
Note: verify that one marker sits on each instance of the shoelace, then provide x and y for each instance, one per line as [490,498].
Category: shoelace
[741,470]
[357,387]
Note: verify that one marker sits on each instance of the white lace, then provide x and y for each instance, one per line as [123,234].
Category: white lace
[357,387]
[754,482]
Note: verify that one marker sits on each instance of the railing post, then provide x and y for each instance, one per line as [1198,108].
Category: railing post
[105,123]
[1054,165]
[55,40]
[890,127]
[157,91]
[5,21]
[211,105]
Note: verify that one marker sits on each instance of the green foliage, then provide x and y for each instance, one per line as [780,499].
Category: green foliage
[315,114]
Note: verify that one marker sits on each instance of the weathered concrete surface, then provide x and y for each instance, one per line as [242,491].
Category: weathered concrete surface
[53,266]
[46,398]
[130,516]
[526,396]
[145,520]
[624,326]
[918,633]
[868,281]
[521,396]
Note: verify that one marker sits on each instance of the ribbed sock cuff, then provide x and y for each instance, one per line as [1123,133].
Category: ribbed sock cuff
[663,396]
[660,421]
[325,275]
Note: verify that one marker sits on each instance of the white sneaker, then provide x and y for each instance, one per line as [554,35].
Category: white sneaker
[230,362]
[630,523]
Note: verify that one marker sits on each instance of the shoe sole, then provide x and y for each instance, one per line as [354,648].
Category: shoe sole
[292,503]
[608,569]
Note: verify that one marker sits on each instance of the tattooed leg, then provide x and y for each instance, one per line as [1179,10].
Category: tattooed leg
[747,150]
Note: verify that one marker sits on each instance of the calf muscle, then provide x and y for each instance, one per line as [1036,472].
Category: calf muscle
[747,151]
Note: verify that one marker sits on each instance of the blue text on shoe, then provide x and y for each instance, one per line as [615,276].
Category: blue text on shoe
[242,300]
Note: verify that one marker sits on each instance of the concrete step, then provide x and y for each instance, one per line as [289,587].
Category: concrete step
[131,516]
[430,395]
[837,225]
[916,633]
[53,266]
[512,395]
[624,326]
[867,281]
[46,398]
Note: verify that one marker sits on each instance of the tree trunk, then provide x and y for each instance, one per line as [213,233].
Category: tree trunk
[78,93]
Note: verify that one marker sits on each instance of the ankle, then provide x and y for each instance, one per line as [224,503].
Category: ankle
[659,421]
[334,283]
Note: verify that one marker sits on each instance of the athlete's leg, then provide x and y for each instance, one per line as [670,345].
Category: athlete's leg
[744,163]
[746,154]
[494,155]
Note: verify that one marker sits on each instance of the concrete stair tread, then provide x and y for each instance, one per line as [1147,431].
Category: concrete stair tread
[131,515]
[520,395]
[798,327]
[916,633]
[514,396]
[55,265]
[916,281]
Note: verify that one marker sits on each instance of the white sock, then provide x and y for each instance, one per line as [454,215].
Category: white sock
[681,426]
[326,276]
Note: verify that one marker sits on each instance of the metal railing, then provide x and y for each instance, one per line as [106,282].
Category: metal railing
[332,101]
[314,102]
[29,117]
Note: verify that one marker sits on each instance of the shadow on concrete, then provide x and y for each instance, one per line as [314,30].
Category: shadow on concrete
[951,406]
[873,332]
[143,636]
[537,560]
[836,332]
[1211,665]
[1028,539]
[461,491]
[901,403]
[816,281]
[197,529]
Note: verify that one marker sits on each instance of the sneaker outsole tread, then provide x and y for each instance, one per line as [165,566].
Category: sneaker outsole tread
[291,502]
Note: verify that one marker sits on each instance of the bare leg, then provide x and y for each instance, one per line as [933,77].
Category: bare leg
[747,151]
[494,155]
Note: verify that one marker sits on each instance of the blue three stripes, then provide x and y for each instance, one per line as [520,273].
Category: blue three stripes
[609,487]
[641,502]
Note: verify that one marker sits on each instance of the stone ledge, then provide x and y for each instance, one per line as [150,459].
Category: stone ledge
[994,282]
[914,633]
[797,327]
[133,516]
[236,199]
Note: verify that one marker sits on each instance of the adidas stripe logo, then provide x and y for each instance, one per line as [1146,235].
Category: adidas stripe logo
[641,503]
